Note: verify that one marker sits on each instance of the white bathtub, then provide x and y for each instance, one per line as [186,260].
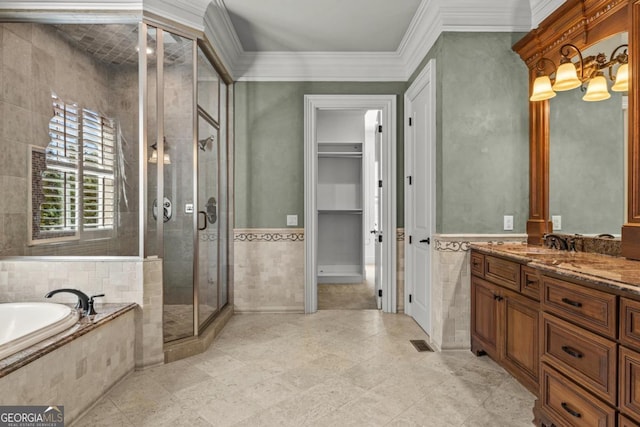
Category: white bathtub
[23,324]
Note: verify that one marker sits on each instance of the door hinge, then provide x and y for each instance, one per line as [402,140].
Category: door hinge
[410,298]
[380,128]
[410,239]
[410,122]
[380,238]
[380,183]
[380,293]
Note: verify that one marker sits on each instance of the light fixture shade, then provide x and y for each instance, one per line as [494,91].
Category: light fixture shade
[542,89]
[622,79]
[597,90]
[167,159]
[566,77]
[154,157]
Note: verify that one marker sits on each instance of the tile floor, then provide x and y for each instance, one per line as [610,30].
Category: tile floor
[349,296]
[333,368]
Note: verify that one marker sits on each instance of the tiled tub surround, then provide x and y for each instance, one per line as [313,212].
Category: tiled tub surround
[269,270]
[76,374]
[451,287]
[122,280]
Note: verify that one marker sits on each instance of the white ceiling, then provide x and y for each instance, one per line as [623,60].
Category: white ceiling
[321,26]
[316,40]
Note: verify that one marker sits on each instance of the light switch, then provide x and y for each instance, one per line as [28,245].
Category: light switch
[292,220]
[556,222]
[508,222]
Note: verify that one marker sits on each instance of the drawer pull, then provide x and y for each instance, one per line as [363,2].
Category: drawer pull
[570,411]
[572,352]
[572,303]
[531,282]
[497,297]
[476,263]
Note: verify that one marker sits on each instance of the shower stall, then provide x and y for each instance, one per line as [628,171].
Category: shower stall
[126,155]
[187,178]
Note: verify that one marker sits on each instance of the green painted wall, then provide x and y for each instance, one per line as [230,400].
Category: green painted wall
[269,147]
[482,152]
[482,138]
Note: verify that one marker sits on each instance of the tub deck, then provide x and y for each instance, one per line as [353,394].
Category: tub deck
[106,312]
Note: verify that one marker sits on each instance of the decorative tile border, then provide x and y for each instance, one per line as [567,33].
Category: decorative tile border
[268,235]
[462,242]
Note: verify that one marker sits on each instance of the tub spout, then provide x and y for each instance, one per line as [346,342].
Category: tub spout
[83,299]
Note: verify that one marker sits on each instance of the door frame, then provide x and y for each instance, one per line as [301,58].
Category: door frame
[387,104]
[426,76]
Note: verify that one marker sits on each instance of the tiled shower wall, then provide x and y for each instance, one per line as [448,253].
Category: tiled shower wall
[126,281]
[269,270]
[34,63]
[451,287]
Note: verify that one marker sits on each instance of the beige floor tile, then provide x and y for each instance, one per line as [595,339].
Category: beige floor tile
[333,368]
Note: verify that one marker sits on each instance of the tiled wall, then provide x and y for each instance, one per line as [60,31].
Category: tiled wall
[269,270]
[130,280]
[76,374]
[34,62]
[451,291]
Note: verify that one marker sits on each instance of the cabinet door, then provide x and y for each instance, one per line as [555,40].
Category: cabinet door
[520,354]
[629,382]
[484,317]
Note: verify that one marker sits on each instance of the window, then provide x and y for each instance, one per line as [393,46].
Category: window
[74,183]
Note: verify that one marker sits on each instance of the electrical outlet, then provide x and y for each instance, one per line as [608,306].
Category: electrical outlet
[556,222]
[508,222]
[292,220]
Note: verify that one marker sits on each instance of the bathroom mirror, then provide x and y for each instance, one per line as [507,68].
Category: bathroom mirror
[582,23]
[587,157]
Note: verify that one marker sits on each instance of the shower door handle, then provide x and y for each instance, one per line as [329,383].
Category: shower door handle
[204,215]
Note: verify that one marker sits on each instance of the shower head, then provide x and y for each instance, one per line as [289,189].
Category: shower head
[202,144]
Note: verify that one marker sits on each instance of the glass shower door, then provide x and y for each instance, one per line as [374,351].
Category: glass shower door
[208,206]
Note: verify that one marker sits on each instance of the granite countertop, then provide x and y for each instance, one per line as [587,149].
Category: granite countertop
[106,312]
[616,273]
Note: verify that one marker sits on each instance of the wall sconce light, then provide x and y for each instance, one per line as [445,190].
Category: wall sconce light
[586,70]
[154,154]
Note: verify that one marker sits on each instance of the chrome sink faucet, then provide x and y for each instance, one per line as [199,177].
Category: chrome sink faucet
[85,303]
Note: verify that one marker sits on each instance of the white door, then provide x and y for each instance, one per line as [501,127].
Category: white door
[420,170]
[378,209]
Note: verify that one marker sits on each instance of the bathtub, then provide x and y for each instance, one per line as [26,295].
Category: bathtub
[23,324]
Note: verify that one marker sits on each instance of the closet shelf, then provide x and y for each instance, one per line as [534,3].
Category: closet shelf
[340,211]
[350,154]
[340,142]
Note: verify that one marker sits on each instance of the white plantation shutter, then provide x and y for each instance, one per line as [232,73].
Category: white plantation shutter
[98,167]
[81,150]
[59,211]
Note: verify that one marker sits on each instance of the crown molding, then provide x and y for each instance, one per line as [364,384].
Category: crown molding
[540,9]
[431,19]
[220,32]
[186,12]
[50,5]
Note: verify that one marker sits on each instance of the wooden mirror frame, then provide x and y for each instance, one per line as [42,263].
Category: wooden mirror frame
[582,23]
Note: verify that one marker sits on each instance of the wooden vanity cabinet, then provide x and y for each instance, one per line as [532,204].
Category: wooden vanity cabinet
[629,361]
[505,322]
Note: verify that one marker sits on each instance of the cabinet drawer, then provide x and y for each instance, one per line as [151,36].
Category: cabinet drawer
[477,264]
[567,403]
[626,422]
[530,282]
[502,272]
[587,307]
[630,322]
[629,382]
[581,355]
